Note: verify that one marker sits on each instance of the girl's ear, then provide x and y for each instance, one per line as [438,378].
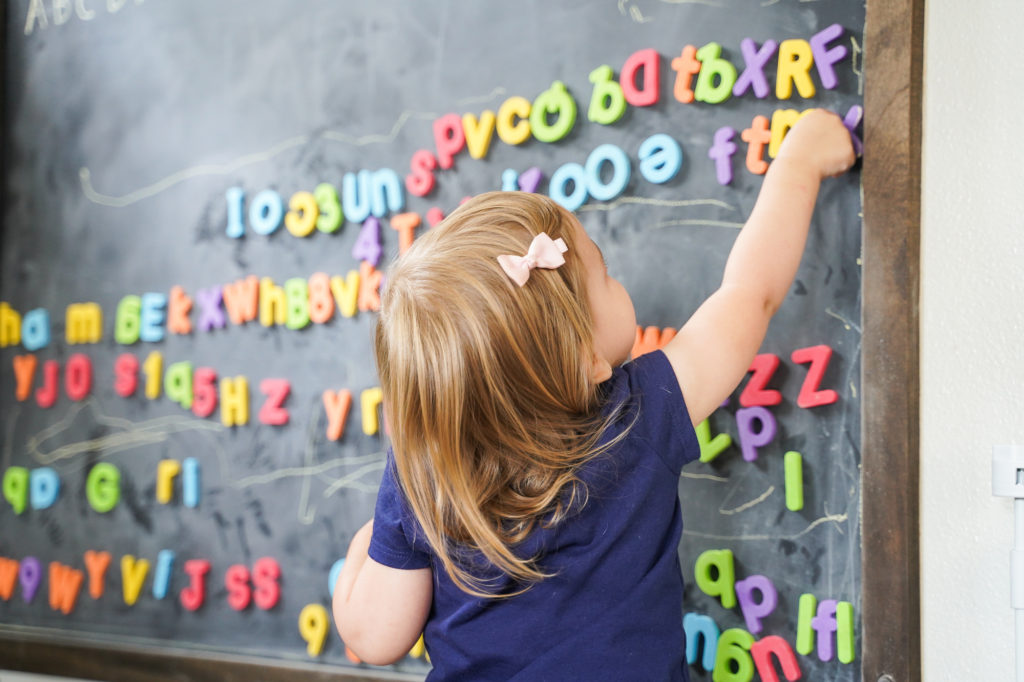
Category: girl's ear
[600,369]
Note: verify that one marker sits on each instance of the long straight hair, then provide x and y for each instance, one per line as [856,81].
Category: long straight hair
[487,386]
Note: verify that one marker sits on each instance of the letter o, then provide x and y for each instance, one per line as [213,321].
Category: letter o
[556,189]
[620,176]
[266,212]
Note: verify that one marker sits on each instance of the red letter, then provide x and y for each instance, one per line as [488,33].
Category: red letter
[449,138]
[650,92]
[237,581]
[755,393]
[78,376]
[276,391]
[126,375]
[762,651]
[421,181]
[46,395]
[810,396]
[204,392]
[193,596]
[264,576]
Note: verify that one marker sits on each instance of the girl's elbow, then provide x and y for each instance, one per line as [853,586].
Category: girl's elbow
[371,649]
[368,646]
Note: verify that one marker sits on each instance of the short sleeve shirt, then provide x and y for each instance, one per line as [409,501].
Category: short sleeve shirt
[613,608]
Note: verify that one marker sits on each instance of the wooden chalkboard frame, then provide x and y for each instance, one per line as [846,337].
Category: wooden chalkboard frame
[891,648]
[894,49]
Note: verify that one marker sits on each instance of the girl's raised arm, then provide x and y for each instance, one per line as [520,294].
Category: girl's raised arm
[713,351]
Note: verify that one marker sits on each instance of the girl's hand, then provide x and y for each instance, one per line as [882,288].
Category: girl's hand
[820,140]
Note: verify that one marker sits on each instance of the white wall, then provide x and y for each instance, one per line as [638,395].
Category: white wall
[972,328]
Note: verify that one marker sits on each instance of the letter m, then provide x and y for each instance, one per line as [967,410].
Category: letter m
[84,323]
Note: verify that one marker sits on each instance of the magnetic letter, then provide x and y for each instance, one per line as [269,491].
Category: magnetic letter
[16,488]
[96,564]
[755,611]
[825,58]
[647,62]
[162,575]
[713,68]
[65,584]
[44,486]
[607,103]
[700,628]
[732,660]
[753,74]
[337,405]
[193,596]
[103,487]
[190,482]
[29,575]
[277,391]
[762,651]
[721,153]
[449,139]
[795,61]
[369,401]
[715,575]
[751,440]
[763,367]
[810,395]
[313,627]
[661,157]
[166,471]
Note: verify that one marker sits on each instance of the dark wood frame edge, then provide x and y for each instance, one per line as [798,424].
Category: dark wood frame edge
[890,438]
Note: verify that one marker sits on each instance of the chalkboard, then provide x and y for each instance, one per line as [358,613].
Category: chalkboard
[162,159]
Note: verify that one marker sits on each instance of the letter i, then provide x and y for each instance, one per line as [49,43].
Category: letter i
[190,482]
[164,563]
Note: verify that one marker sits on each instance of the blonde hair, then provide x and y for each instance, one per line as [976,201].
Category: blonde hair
[487,388]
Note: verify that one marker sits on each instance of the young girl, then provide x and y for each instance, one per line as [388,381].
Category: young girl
[528,520]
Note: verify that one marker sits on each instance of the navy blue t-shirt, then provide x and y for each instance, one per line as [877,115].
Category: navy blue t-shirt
[613,609]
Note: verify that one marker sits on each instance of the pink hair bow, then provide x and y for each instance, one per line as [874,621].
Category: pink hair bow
[544,252]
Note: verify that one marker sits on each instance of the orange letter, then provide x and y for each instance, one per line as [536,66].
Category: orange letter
[178,308]
[65,583]
[650,339]
[24,371]
[756,137]
[96,564]
[369,287]
[405,224]
[337,406]
[686,67]
[8,576]
[242,299]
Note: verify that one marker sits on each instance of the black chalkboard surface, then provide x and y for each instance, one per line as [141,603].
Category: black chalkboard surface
[193,194]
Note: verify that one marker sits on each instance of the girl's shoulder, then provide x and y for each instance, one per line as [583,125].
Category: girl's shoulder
[647,410]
